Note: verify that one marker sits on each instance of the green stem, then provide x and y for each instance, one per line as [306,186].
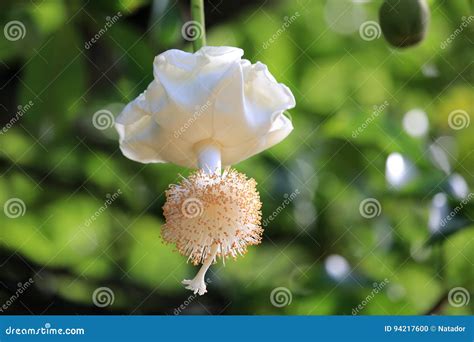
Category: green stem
[197,14]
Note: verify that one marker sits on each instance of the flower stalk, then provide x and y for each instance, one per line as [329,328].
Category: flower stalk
[197,14]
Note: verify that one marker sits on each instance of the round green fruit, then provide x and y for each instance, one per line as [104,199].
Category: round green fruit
[404,22]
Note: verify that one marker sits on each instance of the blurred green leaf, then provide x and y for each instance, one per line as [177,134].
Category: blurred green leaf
[54,80]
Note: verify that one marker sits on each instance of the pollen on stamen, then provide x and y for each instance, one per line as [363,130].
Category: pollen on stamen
[205,211]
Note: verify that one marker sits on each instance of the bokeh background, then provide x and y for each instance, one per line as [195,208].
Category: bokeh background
[382,152]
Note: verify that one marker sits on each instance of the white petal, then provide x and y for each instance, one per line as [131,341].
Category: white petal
[189,79]
[262,91]
[280,129]
[211,95]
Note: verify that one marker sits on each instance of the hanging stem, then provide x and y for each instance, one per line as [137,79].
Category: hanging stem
[197,14]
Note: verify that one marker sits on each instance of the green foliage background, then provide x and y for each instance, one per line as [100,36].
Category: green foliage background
[63,168]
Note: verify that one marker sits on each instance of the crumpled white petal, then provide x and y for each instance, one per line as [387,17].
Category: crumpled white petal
[212,95]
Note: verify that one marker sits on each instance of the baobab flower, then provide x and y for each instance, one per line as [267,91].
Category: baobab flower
[204,110]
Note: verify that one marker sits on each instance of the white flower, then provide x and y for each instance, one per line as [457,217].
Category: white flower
[209,99]
[204,110]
